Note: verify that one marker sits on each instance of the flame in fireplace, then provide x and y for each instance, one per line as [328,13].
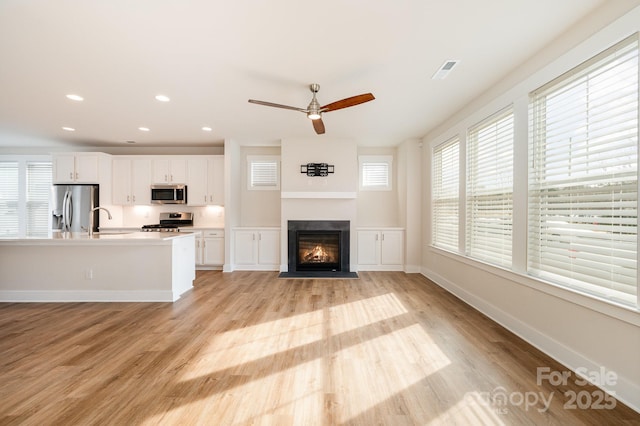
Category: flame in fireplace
[317,254]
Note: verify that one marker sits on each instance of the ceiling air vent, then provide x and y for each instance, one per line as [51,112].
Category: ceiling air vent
[444,70]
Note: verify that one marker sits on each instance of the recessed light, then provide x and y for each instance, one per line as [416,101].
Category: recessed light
[75,97]
[162,98]
[69,129]
[207,129]
[131,141]
[144,129]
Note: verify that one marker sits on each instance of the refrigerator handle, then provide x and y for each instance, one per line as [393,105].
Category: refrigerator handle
[67,211]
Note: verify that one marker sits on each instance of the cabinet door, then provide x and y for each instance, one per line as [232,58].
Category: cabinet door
[245,247]
[64,169]
[199,244]
[268,247]
[368,247]
[87,168]
[160,172]
[391,248]
[121,194]
[215,180]
[197,181]
[213,251]
[141,181]
[178,170]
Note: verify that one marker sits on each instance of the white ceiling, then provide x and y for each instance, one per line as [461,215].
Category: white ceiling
[211,56]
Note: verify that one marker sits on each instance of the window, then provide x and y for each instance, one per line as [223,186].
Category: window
[25,190]
[490,189]
[9,199]
[583,189]
[263,172]
[375,172]
[445,194]
[37,198]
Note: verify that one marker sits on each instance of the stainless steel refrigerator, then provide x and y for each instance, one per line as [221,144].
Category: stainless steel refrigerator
[71,207]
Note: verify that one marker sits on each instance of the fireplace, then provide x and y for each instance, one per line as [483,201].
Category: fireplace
[318,248]
[318,251]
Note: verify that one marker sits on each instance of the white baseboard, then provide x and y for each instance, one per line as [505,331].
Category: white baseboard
[624,390]
[87,296]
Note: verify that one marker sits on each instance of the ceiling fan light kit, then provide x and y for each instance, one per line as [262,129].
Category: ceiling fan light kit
[314,110]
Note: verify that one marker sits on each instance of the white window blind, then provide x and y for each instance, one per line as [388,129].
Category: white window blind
[490,189]
[37,198]
[375,172]
[583,181]
[264,172]
[9,199]
[445,195]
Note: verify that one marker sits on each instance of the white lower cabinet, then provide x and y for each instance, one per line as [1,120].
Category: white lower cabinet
[380,249]
[256,249]
[210,248]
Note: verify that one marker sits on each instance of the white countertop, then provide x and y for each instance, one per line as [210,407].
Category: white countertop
[101,238]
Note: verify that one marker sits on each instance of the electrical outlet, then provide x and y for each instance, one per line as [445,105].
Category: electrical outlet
[88,274]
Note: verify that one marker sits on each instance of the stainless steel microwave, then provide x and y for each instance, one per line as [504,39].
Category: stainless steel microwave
[168,194]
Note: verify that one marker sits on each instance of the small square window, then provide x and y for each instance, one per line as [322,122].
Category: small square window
[375,172]
[263,172]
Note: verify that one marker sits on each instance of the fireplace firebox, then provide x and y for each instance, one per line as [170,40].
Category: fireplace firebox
[318,251]
[318,248]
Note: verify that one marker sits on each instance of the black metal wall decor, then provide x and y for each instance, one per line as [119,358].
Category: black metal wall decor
[316,169]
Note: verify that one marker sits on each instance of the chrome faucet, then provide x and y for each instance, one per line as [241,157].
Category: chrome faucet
[91,218]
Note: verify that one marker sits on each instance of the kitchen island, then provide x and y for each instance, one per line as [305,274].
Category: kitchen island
[103,267]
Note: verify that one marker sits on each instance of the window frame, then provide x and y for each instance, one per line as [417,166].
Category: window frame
[451,199]
[364,160]
[265,159]
[591,160]
[496,245]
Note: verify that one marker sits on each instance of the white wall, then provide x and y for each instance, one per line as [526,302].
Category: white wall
[257,208]
[380,208]
[577,330]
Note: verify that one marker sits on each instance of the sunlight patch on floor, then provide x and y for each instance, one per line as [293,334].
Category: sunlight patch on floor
[470,410]
[245,345]
[386,366]
[289,397]
[354,315]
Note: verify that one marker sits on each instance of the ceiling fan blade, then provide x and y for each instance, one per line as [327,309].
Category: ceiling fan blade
[348,102]
[318,126]
[271,104]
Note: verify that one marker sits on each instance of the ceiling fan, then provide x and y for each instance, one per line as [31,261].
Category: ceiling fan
[314,110]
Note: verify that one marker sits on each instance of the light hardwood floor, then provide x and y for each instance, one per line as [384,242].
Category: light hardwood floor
[250,348]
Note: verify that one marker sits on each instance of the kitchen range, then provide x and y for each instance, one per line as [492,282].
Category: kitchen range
[170,222]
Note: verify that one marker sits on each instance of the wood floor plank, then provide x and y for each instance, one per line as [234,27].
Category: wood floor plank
[249,348]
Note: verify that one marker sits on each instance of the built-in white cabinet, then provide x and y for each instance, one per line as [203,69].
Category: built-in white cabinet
[169,170]
[210,248]
[76,167]
[205,180]
[131,180]
[380,249]
[256,249]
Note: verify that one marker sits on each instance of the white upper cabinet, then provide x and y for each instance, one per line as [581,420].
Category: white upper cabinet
[205,180]
[169,170]
[76,168]
[131,181]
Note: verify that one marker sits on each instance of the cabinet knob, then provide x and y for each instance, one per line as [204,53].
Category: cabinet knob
[165,178]
[134,198]
[70,175]
[128,199]
[77,175]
